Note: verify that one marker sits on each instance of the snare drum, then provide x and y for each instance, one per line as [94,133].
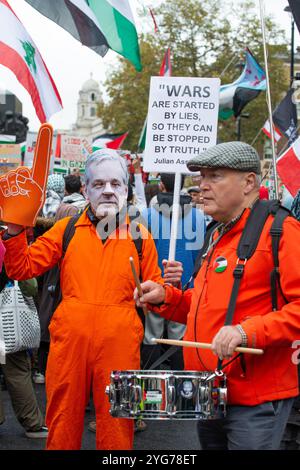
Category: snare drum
[158,394]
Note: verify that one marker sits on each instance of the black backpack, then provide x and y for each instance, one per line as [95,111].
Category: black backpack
[53,275]
[260,212]
[249,240]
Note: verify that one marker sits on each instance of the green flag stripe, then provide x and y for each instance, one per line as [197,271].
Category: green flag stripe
[120,33]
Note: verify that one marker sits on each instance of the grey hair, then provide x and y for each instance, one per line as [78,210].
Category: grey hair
[101,156]
[258,180]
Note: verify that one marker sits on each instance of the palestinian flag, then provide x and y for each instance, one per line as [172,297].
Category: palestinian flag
[19,53]
[97,24]
[235,96]
[7,139]
[165,71]
[220,264]
[111,141]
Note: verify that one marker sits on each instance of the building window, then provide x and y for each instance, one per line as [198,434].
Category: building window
[82,111]
[93,97]
[93,112]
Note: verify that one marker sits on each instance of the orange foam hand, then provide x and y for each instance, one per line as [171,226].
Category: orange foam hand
[22,191]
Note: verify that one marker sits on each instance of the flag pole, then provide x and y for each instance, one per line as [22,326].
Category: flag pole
[175,216]
[269,103]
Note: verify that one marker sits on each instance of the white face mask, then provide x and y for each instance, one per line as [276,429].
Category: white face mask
[106,190]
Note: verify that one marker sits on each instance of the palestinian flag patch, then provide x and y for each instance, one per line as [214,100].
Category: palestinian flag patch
[220,264]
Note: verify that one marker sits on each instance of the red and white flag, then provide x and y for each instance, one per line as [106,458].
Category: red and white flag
[267,130]
[166,67]
[288,167]
[19,53]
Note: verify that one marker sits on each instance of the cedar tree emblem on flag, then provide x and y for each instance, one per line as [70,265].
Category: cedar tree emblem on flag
[29,54]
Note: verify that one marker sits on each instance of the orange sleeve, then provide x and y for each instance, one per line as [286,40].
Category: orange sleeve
[281,327]
[24,262]
[149,262]
[177,303]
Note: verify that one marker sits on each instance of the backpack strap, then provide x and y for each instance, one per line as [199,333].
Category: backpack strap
[67,237]
[246,248]
[69,233]
[138,241]
[203,251]
[276,232]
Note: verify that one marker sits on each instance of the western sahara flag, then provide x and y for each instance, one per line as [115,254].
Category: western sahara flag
[235,96]
[288,167]
[165,71]
[19,53]
[284,119]
[97,24]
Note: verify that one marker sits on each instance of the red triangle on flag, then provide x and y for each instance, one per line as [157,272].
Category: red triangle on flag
[117,143]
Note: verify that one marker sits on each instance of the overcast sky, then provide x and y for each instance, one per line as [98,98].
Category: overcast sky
[70,63]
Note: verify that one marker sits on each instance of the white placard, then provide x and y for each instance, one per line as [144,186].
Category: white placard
[30,146]
[75,149]
[182,121]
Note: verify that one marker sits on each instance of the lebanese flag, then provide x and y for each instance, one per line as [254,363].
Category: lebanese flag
[288,167]
[19,53]
[267,130]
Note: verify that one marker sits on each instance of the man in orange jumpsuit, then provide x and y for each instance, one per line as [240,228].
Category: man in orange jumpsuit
[260,388]
[96,328]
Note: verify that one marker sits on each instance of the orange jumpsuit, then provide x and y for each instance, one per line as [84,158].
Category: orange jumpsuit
[95,329]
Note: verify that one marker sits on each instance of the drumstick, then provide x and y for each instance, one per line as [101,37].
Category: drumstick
[191,344]
[137,283]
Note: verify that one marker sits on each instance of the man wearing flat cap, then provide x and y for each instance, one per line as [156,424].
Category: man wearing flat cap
[261,388]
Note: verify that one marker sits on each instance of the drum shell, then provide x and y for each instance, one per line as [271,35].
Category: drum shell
[167,395]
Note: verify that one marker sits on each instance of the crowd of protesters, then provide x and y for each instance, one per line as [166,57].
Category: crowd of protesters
[90,306]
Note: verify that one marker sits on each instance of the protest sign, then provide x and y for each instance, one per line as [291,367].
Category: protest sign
[74,153]
[10,157]
[182,121]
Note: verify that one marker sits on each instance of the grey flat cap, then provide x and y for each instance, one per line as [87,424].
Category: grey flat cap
[235,155]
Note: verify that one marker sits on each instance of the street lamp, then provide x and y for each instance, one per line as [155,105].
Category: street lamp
[239,122]
[287,9]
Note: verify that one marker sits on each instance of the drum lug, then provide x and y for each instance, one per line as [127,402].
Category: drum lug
[171,398]
[135,394]
[203,394]
[110,391]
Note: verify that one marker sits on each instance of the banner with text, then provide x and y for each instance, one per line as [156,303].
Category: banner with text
[182,121]
[10,157]
[74,152]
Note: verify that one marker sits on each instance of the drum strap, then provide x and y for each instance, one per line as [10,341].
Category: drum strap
[172,350]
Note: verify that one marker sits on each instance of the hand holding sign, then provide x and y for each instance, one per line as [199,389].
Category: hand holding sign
[22,191]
